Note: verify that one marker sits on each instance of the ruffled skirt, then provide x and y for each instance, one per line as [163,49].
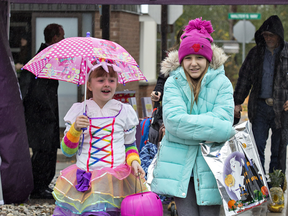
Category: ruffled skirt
[107,188]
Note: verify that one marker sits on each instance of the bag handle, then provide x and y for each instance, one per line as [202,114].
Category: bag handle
[139,183]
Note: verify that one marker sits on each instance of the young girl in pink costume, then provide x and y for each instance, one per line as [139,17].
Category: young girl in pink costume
[107,157]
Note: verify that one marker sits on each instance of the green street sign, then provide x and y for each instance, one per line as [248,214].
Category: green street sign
[244,16]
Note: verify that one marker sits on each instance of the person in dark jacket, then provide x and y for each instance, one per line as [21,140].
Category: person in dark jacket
[42,122]
[25,51]
[265,73]
[163,77]
[157,94]
[24,56]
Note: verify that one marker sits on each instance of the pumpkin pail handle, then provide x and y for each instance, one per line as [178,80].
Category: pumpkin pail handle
[139,183]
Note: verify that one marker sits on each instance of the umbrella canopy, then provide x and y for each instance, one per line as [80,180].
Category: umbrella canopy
[71,59]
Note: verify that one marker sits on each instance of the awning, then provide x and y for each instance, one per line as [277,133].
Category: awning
[164,2]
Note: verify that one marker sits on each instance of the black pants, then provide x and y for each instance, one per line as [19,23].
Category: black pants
[263,121]
[44,167]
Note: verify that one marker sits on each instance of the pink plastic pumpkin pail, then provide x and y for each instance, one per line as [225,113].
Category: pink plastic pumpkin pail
[142,204]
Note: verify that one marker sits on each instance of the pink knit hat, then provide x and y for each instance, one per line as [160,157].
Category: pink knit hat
[196,39]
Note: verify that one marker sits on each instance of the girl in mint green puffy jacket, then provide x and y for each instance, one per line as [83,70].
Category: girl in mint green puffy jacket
[197,106]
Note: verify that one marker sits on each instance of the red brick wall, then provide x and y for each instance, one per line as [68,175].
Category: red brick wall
[125,30]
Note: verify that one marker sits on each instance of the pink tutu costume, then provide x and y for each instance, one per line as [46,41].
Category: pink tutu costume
[101,177]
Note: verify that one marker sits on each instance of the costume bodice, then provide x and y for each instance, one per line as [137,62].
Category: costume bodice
[101,143]
[110,128]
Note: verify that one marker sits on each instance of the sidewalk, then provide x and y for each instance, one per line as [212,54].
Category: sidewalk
[63,162]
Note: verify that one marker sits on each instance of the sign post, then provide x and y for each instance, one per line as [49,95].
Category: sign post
[244,30]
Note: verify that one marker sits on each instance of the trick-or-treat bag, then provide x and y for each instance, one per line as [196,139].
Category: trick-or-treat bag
[237,168]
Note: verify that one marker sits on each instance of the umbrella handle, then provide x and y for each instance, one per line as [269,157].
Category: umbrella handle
[85,88]
[81,146]
[83,129]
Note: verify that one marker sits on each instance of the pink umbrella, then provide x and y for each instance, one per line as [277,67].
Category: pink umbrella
[70,60]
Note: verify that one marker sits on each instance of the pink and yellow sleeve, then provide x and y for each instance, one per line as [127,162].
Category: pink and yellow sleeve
[131,153]
[69,144]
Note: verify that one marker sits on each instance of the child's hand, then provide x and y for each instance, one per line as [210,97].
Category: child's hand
[81,122]
[136,168]
[155,97]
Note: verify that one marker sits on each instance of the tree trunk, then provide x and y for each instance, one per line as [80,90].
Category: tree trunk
[164,18]
[232,9]
[105,22]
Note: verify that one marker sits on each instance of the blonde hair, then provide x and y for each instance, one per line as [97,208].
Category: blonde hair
[195,84]
[100,72]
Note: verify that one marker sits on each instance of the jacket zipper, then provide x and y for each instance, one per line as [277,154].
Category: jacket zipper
[196,176]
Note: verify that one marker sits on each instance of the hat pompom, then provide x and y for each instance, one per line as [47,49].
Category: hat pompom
[202,25]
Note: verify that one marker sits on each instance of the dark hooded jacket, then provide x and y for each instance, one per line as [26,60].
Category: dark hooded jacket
[250,74]
[41,113]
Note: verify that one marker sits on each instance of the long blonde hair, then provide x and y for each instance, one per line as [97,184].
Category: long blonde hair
[195,84]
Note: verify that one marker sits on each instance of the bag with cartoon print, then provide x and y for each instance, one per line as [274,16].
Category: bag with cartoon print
[237,168]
